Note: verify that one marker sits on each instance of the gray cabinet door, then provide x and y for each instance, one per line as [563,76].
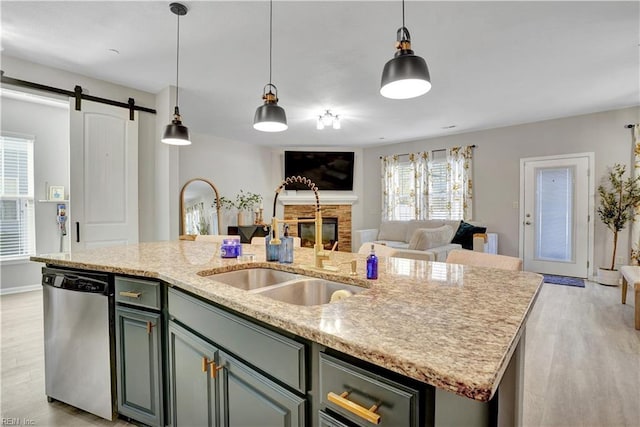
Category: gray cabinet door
[139,365]
[248,399]
[193,387]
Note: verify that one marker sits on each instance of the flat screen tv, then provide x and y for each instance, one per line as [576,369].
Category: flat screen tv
[329,170]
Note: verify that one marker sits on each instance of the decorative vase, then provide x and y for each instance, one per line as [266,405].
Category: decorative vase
[240,218]
[608,277]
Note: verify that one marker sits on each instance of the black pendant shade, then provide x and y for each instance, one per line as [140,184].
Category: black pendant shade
[176,133]
[406,75]
[270,117]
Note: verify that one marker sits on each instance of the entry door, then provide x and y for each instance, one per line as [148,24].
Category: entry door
[104,176]
[556,234]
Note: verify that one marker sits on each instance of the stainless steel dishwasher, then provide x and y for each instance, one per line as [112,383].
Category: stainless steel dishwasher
[79,348]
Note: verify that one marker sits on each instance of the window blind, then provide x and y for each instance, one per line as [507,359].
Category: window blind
[438,192]
[17,219]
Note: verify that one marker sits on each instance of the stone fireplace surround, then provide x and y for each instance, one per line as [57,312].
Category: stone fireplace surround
[297,207]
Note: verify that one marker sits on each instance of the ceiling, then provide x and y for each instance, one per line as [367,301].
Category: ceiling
[492,64]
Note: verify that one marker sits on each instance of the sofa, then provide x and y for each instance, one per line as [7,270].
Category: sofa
[429,240]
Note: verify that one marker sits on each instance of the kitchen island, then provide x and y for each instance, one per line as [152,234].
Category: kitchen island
[456,328]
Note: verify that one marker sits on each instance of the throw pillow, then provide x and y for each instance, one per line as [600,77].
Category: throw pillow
[429,238]
[464,235]
[393,230]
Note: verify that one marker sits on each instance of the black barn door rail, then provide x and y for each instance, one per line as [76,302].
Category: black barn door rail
[78,95]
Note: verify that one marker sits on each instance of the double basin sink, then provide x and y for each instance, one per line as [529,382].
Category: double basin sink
[284,286]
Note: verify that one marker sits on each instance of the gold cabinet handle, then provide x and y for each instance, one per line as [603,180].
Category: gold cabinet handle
[214,368]
[149,326]
[130,294]
[360,411]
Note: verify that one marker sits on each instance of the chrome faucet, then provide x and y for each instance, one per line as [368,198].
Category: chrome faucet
[320,254]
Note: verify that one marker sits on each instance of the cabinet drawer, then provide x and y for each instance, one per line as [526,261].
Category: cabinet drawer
[279,356]
[143,293]
[397,403]
[326,420]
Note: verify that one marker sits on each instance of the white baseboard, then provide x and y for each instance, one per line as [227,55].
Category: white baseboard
[20,289]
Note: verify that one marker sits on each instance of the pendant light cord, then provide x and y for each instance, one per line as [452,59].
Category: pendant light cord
[270,36]
[403,14]
[177,59]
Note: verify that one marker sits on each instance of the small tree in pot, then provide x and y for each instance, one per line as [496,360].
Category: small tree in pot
[618,199]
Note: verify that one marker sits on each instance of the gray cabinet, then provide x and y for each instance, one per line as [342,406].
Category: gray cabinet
[281,357]
[139,365]
[364,397]
[249,399]
[256,386]
[193,379]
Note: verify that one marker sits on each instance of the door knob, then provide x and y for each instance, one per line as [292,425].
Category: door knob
[528,222]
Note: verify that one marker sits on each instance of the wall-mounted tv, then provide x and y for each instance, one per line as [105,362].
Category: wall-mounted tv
[329,170]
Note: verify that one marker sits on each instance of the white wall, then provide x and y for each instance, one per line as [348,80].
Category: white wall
[49,125]
[231,166]
[166,173]
[497,167]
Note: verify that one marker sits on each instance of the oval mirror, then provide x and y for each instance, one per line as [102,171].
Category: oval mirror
[199,208]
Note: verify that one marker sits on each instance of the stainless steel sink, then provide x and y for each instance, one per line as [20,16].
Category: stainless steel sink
[308,291]
[252,278]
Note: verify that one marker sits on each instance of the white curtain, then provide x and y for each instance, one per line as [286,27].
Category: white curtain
[390,182]
[420,191]
[460,182]
[405,189]
[635,224]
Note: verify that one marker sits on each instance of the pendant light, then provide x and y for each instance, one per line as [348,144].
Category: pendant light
[270,117]
[405,75]
[176,133]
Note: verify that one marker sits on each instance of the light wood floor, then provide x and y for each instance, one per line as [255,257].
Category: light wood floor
[582,365]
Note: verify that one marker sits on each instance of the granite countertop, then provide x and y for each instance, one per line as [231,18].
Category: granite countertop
[452,326]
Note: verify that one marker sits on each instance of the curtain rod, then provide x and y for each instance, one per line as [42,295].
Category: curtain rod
[77,94]
[441,149]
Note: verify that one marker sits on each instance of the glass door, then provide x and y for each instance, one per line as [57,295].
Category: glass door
[555,219]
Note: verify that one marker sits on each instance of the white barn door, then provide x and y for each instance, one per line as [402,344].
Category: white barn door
[104,176]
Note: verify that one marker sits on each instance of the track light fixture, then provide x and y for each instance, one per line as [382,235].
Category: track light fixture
[270,117]
[405,75]
[176,133]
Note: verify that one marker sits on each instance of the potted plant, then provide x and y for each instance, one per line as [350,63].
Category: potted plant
[245,201]
[619,196]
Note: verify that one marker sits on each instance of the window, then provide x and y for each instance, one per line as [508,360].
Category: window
[403,210]
[434,185]
[438,192]
[17,222]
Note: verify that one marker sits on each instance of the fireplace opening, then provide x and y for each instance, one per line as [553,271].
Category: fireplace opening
[307,232]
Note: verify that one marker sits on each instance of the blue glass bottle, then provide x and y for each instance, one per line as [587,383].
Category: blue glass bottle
[286,247]
[272,251]
[372,264]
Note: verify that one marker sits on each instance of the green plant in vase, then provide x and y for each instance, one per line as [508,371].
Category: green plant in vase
[247,201]
[619,196]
